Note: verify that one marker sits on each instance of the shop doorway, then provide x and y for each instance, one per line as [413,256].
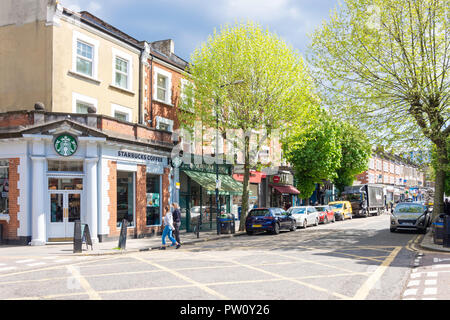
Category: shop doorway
[65,209]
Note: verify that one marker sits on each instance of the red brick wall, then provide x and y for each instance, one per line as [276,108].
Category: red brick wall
[10,229]
[158,108]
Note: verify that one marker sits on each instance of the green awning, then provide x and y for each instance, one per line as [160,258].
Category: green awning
[228,186]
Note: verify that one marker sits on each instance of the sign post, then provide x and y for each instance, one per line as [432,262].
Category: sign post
[87,237]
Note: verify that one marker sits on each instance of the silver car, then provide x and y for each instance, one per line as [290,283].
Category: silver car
[305,216]
[410,216]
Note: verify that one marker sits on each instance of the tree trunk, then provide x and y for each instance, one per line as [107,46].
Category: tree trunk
[442,161]
[244,206]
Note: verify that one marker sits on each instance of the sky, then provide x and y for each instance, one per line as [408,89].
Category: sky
[190,22]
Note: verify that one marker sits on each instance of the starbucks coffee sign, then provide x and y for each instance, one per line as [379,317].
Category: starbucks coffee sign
[65,145]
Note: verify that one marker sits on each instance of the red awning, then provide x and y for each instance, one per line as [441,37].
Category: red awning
[255,176]
[286,189]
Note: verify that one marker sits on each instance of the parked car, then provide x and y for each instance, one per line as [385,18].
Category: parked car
[269,219]
[342,209]
[305,216]
[326,214]
[410,216]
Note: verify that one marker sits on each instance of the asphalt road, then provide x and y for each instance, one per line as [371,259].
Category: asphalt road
[353,259]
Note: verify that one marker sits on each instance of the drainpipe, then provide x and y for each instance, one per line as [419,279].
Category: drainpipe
[151,91]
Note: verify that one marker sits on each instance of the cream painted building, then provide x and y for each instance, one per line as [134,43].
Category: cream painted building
[68,61]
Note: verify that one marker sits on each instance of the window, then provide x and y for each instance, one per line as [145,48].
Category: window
[121,113]
[164,124]
[71,166]
[84,58]
[4,186]
[161,88]
[85,55]
[65,183]
[122,69]
[379,164]
[82,107]
[125,197]
[163,85]
[371,164]
[81,103]
[153,200]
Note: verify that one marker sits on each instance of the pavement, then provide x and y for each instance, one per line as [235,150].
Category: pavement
[428,243]
[111,247]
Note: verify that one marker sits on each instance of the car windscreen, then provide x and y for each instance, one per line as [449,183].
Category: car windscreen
[259,213]
[298,210]
[321,208]
[409,209]
[336,205]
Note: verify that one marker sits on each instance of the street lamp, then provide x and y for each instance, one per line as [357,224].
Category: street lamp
[217,153]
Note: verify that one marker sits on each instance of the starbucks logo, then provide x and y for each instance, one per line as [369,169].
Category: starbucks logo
[65,145]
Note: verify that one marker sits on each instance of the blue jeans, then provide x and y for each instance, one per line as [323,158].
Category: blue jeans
[168,232]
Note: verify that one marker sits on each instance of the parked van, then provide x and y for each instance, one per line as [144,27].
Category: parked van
[342,209]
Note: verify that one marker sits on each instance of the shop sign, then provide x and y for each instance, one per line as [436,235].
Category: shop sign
[65,145]
[140,156]
[283,178]
[208,168]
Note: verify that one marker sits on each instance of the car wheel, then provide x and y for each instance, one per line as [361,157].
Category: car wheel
[249,232]
[276,229]
[294,226]
[392,229]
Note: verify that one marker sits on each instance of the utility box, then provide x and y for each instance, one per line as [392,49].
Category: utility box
[438,229]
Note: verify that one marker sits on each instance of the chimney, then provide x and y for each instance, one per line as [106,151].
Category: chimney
[166,47]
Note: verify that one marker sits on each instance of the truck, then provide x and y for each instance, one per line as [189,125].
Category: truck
[366,199]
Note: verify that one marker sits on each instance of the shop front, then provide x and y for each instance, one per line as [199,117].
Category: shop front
[198,194]
[282,192]
[59,172]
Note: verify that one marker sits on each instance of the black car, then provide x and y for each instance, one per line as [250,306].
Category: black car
[269,219]
[410,216]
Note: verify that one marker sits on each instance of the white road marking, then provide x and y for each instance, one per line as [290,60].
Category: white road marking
[439,266]
[25,261]
[7,268]
[430,291]
[431,282]
[410,292]
[432,274]
[417,275]
[36,264]
[413,283]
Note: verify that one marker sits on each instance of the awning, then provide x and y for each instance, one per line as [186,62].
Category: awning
[255,176]
[286,189]
[228,186]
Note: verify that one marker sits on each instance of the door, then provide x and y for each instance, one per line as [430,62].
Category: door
[65,209]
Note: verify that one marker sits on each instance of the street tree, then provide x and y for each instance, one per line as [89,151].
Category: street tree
[385,64]
[313,149]
[355,153]
[245,78]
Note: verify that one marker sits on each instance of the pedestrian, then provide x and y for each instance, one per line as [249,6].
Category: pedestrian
[168,228]
[177,222]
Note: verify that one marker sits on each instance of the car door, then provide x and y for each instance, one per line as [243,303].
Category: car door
[309,216]
[283,218]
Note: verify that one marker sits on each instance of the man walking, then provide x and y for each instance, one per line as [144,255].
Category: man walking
[176,222]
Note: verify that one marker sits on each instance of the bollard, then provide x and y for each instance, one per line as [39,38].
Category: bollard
[123,235]
[198,228]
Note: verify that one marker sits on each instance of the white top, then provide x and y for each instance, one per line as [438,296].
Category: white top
[168,220]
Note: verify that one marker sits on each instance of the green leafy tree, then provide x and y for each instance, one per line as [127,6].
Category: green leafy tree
[245,78]
[355,150]
[314,151]
[385,64]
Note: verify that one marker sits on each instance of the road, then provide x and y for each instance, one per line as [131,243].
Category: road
[354,259]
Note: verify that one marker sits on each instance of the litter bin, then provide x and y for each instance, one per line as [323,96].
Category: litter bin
[446,231]
[438,229]
[227,225]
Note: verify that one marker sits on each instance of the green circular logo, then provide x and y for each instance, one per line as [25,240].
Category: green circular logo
[65,145]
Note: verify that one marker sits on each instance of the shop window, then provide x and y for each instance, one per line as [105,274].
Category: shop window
[153,200]
[4,186]
[70,166]
[125,197]
[65,183]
